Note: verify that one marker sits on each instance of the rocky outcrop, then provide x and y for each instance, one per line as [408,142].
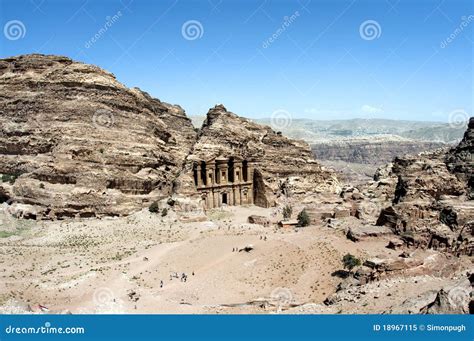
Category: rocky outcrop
[460,160]
[358,233]
[282,166]
[75,141]
[430,204]
[452,299]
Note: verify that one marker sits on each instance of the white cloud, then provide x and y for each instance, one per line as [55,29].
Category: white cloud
[368,109]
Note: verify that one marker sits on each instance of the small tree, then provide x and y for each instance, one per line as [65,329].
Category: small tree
[164,212]
[350,261]
[303,218]
[154,207]
[287,212]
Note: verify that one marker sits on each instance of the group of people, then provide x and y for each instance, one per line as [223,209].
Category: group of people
[182,278]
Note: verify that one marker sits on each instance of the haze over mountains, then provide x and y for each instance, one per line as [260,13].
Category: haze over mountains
[356,147]
[314,131]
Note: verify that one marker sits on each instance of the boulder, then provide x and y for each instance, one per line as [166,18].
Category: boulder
[455,299]
[358,233]
[258,219]
[395,244]
[340,212]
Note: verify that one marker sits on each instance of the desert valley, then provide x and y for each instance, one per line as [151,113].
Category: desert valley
[114,202]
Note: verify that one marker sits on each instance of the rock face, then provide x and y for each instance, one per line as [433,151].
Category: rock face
[460,160]
[431,204]
[374,151]
[76,141]
[282,166]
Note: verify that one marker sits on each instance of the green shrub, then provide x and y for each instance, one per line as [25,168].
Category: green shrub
[303,218]
[287,212]
[164,212]
[9,178]
[154,207]
[42,185]
[350,261]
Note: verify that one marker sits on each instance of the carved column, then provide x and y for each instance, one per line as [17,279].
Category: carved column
[222,171]
[216,199]
[210,168]
[238,199]
[238,176]
[210,200]
[250,168]
[199,176]
[250,195]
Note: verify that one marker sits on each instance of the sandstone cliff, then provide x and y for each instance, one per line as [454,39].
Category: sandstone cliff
[76,141]
[460,160]
[281,164]
[431,203]
[375,151]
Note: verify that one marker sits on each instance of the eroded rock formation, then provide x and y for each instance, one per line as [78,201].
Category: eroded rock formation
[431,204]
[281,166]
[76,142]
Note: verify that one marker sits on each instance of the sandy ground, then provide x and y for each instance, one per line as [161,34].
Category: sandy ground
[116,265]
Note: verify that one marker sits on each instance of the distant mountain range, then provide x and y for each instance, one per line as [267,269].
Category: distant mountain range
[359,146]
[317,131]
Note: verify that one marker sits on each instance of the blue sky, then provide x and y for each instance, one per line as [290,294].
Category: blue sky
[320,64]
